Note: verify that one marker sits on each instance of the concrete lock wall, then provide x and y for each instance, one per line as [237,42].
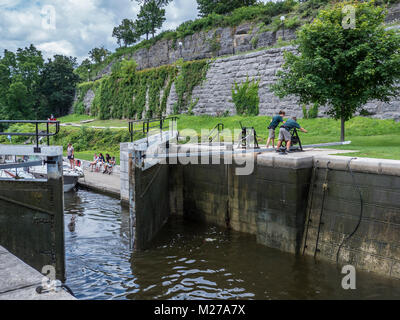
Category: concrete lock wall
[151,203]
[376,244]
[270,203]
[32,221]
[276,202]
[125,148]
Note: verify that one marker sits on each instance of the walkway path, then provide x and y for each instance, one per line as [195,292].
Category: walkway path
[18,281]
[98,181]
[91,127]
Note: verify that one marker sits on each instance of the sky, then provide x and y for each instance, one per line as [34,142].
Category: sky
[74,27]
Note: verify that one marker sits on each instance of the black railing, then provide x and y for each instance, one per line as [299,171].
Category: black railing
[37,134]
[216,132]
[145,125]
[248,132]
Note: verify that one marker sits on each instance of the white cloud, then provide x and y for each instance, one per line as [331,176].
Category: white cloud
[63,47]
[80,25]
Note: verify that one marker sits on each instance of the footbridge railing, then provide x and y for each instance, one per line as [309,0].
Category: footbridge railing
[38,134]
[145,126]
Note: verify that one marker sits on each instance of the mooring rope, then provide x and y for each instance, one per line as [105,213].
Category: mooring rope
[361,210]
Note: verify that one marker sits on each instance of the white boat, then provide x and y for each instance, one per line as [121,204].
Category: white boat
[16,174]
[71,176]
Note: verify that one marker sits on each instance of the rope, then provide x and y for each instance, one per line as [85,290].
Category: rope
[310,203]
[361,210]
[325,189]
[151,182]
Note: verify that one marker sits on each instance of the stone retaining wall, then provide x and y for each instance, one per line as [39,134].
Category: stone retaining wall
[214,95]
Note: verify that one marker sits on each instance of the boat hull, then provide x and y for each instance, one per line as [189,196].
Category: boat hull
[69,181]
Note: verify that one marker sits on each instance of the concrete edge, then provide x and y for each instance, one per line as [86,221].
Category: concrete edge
[368,165]
[111,192]
[31,279]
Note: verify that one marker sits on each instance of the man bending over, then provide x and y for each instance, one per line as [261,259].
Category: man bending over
[284,133]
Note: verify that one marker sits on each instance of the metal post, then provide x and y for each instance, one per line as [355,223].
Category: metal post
[48,137]
[37,149]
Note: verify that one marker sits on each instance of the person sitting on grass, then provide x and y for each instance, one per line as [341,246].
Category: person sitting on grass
[284,133]
[94,163]
[272,127]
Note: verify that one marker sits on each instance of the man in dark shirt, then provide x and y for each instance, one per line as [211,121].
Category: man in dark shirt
[273,125]
[284,133]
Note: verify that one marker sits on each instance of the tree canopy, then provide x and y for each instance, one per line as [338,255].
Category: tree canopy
[99,54]
[151,17]
[207,7]
[31,88]
[126,33]
[343,63]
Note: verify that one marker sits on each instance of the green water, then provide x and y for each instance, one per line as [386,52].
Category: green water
[193,261]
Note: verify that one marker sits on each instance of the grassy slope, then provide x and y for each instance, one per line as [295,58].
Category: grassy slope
[371,137]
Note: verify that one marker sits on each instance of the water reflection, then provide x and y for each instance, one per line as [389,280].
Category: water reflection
[192,261]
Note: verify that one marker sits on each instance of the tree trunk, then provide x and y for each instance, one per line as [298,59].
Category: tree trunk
[342,129]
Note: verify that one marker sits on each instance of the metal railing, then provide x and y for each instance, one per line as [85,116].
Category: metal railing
[216,132]
[248,134]
[37,134]
[145,125]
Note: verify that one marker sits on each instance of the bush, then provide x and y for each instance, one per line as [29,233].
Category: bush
[245,97]
[312,113]
[79,108]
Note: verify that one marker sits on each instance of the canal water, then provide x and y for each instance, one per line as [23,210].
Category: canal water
[192,261]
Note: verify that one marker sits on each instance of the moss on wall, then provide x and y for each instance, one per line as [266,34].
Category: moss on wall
[128,93]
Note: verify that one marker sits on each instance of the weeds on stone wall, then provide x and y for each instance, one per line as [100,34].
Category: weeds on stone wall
[128,93]
[190,75]
[262,12]
[215,44]
[82,90]
[245,97]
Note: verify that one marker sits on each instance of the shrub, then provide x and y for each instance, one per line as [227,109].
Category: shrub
[245,97]
[312,113]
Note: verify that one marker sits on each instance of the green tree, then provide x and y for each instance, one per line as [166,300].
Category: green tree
[99,54]
[151,17]
[85,68]
[340,65]
[58,85]
[207,7]
[33,89]
[126,33]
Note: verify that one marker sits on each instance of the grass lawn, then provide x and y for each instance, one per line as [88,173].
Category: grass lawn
[371,137]
[77,118]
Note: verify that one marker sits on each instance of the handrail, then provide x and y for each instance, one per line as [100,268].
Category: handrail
[218,128]
[145,127]
[37,133]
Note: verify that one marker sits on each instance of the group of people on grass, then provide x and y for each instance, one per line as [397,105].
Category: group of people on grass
[284,131]
[99,161]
